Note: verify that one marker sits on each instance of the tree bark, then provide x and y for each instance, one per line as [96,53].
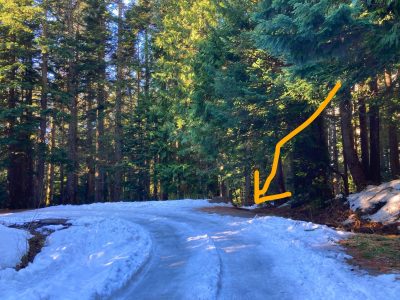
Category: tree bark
[62,175]
[90,161]
[392,131]
[248,199]
[100,148]
[362,114]
[72,177]
[20,167]
[50,178]
[40,173]
[394,151]
[281,177]
[349,152]
[118,107]
[374,127]
[335,153]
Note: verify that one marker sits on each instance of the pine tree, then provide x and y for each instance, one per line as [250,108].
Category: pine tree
[18,78]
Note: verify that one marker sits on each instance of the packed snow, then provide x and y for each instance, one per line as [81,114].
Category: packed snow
[378,203]
[13,246]
[172,250]
[92,258]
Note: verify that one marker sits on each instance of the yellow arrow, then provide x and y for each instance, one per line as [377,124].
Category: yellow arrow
[257,192]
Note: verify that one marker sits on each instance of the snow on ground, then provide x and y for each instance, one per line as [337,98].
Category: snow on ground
[13,246]
[308,259]
[386,196]
[92,258]
[192,255]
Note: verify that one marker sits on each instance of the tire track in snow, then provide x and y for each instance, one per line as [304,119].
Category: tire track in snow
[180,255]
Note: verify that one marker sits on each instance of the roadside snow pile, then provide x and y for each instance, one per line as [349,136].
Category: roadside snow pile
[308,257]
[378,203]
[91,259]
[116,206]
[13,246]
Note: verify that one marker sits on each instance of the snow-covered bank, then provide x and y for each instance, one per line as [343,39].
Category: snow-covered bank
[378,203]
[13,246]
[308,257]
[92,258]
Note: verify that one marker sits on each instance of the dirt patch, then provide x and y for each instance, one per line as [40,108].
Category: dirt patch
[334,215]
[8,211]
[374,253]
[230,211]
[36,244]
[38,239]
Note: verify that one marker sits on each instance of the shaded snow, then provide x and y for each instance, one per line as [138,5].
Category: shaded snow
[50,228]
[92,258]
[13,246]
[386,195]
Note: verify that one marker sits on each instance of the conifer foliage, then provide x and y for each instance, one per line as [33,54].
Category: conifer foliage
[113,100]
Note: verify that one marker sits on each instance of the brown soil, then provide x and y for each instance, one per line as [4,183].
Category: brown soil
[36,244]
[38,239]
[8,211]
[374,253]
[333,215]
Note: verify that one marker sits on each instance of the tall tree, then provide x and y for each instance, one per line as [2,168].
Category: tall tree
[316,38]
[42,147]
[374,125]
[19,21]
[72,92]
[119,103]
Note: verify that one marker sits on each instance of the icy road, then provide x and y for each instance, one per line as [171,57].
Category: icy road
[173,250]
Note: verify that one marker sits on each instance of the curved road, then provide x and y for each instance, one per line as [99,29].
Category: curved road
[197,255]
[201,256]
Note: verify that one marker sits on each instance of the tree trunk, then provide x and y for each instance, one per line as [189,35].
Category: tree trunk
[72,177]
[26,142]
[62,175]
[164,189]
[100,149]
[349,152]
[362,114]
[91,118]
[50,178]
[155,178]
[394,151]
[281,177]
[20,167]
[72,180]
[40,173]
[392,130]
[374,124]
[118,107]
[248,199]
[147,66]
[335,154]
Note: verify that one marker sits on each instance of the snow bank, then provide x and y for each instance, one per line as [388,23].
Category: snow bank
[13,246]
[91,259]
[159,205]
[312,264]
[378,203]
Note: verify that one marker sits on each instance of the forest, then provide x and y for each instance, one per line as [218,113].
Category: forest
[123,100]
